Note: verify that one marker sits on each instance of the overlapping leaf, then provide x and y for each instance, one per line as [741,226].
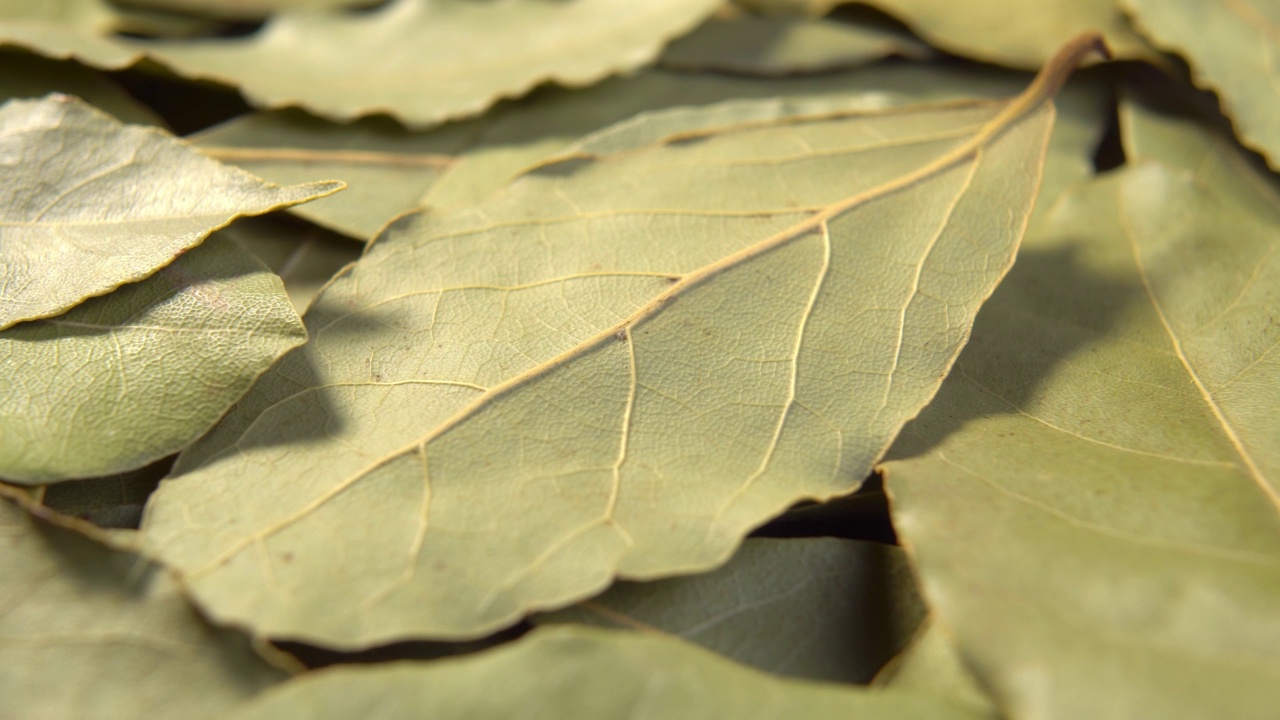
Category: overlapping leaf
[123,380]
[758,46]
[575,672]
[1091,498]
[1021,34]
[436,60]
[390,171]
[619,365]
[1232,46]
[23,75]
[113,203]
[87,632]
[791,607]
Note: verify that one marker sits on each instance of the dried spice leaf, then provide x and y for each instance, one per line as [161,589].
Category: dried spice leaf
[113,204]
[524,393]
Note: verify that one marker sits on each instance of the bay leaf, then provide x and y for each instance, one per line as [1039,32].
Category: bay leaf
[91,204]
[772,47]
[112,501]
[453,58]
[1091,501]
[1020,34]
[575,672]
[87,632]
[618,365]
[390,170]
[125,379]
[1232,47]
[813,608]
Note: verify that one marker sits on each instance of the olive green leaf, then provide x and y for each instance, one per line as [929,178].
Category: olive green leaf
[1232,47]
[125,379]
[390,171]
[618,365]
[759,46]
[791,607]
[577,672]
[305,258]
[1017,33]
[110,205]
[387,169]
[1091,500]
[453,58]
[930,664]
[23,75]
[87,632]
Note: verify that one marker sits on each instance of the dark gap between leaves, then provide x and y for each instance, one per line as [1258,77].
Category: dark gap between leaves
[314,657]
[864,515]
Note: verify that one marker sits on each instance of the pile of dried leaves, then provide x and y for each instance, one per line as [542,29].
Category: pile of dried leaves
[593,290]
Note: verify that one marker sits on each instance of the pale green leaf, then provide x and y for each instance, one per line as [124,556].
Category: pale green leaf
[1232,47]
[435,60]
[390,171]
[1091,499]
[759,46]
[573,672]
[801,608]
[91,204]
[387,169]
[619,365]
[88,633]
[125,379]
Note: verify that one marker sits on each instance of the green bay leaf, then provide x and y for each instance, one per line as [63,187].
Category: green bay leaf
[1091,500]
[87,633]
[619,365]
[575,672]
[91,204]
[814,608]
[123,380]
[1232,47]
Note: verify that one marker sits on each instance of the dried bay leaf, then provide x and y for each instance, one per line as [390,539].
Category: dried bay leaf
[1091,500]
[91,204]
[618,365]
[801,608]
[576,672]
[305,257]
[771,47]
[125,379]
[390,171]
[1231,46]
[451,59]
[87,632]
[1020,34]
[242,9]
